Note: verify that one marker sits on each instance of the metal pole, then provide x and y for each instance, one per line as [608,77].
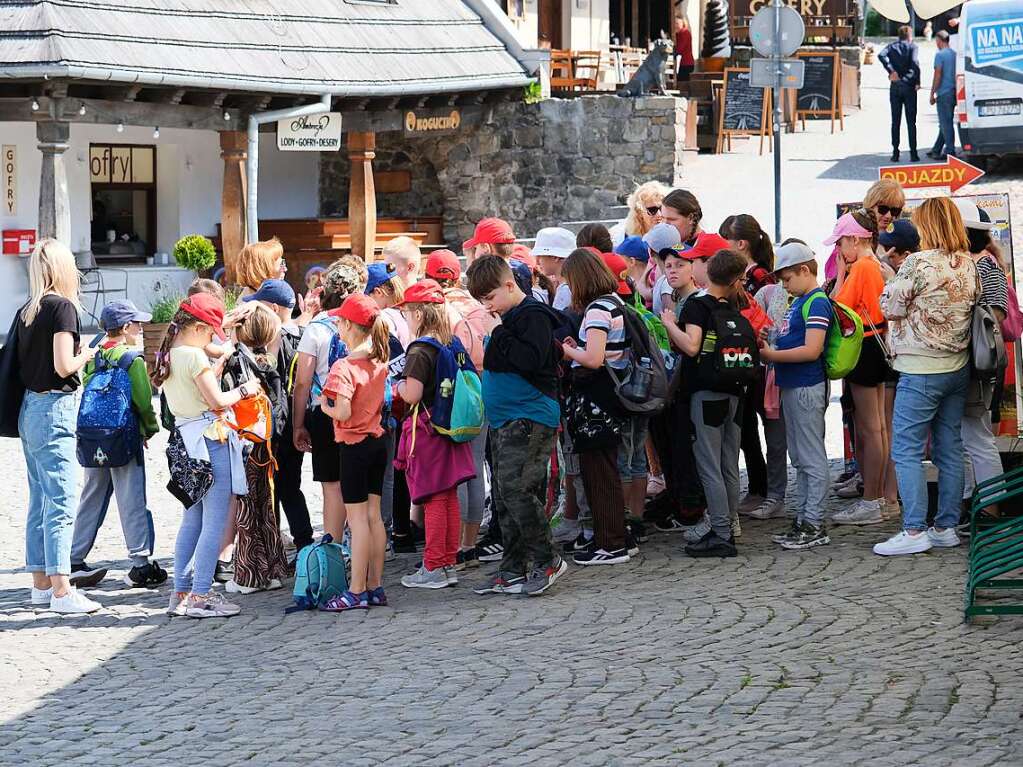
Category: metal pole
[777,114]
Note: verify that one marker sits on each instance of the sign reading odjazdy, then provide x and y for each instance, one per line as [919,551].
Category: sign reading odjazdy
[310,133]
[433,121]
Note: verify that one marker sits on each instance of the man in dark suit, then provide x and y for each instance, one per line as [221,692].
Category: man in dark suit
[902,61]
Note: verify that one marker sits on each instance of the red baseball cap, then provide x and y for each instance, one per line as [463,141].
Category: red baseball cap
[620,269]
[707,244]
[358,308]
[521,252]
[423,292]
[443,265]
[490,231]
[206,308]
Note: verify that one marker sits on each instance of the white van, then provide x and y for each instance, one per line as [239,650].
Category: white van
[989,79]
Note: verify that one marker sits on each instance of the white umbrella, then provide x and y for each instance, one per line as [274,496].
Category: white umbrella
[925,9]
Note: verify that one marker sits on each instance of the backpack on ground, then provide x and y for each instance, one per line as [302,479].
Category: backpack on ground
[642,386]
[336,351]
[320,575]
[458,402]
[730,356]
[108,428]
[844,339]
[12,390]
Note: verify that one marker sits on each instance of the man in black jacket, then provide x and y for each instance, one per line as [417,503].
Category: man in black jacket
[902,61]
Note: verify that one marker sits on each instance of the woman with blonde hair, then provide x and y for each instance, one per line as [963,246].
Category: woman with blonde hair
[259,261]
[930,307]
[644,211]
[49,359]
[886,200]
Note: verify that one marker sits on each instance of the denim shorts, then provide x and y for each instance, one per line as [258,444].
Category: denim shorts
[632,450]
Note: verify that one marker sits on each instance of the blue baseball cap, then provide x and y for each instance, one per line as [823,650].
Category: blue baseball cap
[276,292]
[523,275]
[901,235]
[119,313]
[377,274]
[634,247]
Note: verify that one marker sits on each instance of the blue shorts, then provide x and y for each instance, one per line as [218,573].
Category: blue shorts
[632,450]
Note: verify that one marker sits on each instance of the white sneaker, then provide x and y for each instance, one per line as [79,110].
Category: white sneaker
[73,603]
[693,533]
[41,597]
[750,502]
[566,530]
[655,484]
[769,509]
[736,527]
[946,539]
[863,513]
[212,605]
[177,603]
[904,543]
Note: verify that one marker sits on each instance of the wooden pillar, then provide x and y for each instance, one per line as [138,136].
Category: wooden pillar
[234,150]
[54,202]
[362,198]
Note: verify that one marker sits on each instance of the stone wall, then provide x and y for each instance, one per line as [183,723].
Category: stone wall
[534,165]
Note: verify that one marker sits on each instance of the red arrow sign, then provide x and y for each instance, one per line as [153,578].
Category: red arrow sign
[953,173]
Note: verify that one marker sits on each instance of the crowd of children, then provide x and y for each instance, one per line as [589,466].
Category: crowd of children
[621,374]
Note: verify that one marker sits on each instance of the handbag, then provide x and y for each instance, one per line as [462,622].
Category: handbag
[190,478]
[12,390]
[987,347]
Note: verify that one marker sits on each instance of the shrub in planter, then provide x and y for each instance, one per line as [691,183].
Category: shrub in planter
[195,252]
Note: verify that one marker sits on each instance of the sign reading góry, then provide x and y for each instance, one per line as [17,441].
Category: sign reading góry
[418,122]
[310,133]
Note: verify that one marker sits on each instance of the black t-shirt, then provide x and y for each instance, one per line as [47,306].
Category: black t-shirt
[35,345]
[699,310]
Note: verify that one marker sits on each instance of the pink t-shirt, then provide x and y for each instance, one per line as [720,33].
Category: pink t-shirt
[362,381]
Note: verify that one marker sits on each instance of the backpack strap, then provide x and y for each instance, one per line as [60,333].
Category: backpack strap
[321,560]
[127,359]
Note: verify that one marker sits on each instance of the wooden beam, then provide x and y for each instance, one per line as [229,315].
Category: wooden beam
[234,150]
[103,112]
[170,96]
[362,201]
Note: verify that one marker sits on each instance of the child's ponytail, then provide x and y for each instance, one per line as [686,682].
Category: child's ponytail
[161,367]
[380,337]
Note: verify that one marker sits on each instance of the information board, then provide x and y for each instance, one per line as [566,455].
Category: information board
[821,94]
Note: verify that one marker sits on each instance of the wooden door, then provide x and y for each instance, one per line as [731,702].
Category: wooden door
[549,31]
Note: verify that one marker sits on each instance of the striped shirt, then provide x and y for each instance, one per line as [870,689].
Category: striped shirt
[607,313]
[994,286]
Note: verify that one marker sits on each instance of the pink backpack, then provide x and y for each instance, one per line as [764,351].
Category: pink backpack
[1012,325]
[471,329]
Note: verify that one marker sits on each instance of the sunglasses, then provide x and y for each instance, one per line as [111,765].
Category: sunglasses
[886,209]
[653,210]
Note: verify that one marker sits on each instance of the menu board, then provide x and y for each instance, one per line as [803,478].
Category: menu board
[819,80]
[742,104]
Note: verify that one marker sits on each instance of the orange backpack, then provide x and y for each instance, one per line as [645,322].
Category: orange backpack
[252,418]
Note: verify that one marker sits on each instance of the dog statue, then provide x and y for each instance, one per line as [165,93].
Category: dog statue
[650,76]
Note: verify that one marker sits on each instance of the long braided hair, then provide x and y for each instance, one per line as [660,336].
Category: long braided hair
[161,370]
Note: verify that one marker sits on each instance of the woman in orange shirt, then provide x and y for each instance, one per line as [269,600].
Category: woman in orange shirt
[859,285]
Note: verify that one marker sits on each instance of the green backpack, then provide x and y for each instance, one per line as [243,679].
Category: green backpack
[653,324]
[844,340]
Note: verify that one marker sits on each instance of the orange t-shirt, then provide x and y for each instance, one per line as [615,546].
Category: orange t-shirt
[362,381]
[861,292]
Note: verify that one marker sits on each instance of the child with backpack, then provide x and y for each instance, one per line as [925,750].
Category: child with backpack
[798,357]
[520,392]
[204,454]
[259,562]
[720,358]
[126,432]
[471,323]
[434,464]
[353,397]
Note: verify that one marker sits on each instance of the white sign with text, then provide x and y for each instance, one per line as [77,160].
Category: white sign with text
[310,133]
[9,183]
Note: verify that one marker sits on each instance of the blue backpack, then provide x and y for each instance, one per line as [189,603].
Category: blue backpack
[337,351]
[108,429]
[320,575]
[458,402]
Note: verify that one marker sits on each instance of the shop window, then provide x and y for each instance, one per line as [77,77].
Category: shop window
[123,199]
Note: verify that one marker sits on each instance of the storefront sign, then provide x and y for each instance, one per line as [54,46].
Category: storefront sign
[435,121]
[803,7]
[114,164]
[9,184]
[310,133]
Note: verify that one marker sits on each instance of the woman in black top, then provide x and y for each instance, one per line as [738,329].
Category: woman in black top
[49,358]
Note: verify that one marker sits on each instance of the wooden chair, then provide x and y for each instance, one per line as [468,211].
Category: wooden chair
[562,71]
[586,69]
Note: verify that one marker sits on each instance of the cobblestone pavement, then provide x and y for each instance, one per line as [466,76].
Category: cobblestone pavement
[833,656]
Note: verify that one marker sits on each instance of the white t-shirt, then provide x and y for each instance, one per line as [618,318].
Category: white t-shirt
[562,297]
[661,287]
[316,343]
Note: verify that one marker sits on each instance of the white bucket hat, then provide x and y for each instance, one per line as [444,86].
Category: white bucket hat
[553,241]
[971,214]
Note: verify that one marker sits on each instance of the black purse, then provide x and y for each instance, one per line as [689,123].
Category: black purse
[12,390]
[190,478]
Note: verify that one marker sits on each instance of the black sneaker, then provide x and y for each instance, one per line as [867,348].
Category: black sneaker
[502,583]
[542,578]
[631,546]
[581,543]
[466,558]
[711,545]
[418,533]
[807,538]
[661,504]
[403,544]
[792,532]
[224,571]
[83,576]
[601,557]
[895,155]
[489,551]
[637,527]
[146,577]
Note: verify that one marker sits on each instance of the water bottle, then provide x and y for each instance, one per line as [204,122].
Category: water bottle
[637,388]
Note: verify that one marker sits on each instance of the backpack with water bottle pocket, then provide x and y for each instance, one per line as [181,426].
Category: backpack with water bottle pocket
[457,411]
[108,428]
[320,575]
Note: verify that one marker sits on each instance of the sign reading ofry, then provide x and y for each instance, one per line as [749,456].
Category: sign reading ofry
[997,42]
[9,185]
[310,133]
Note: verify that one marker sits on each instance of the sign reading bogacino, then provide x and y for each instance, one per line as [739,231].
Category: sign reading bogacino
[310,133]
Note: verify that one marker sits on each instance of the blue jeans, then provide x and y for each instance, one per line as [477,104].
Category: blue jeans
[202,526]
[47,427]
[946,141]
[632,450]
[931,403]
[128,484]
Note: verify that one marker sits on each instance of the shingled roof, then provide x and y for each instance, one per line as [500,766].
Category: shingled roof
[344,47]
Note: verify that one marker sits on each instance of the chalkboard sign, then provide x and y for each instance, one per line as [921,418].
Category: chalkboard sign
[821,93]
[742,105]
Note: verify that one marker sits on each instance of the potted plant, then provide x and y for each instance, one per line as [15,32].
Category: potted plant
[163,309]
[195,253]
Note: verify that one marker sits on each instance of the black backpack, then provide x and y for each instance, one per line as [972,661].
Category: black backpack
[642,346]
[730,356]
[12,390]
